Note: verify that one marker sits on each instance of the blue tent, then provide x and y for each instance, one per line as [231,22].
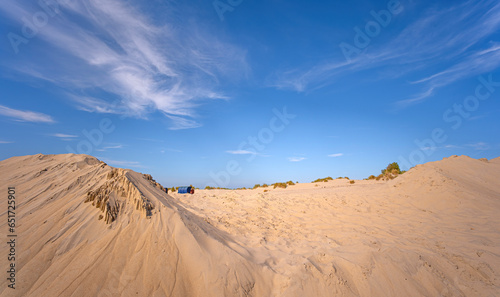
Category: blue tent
[184,190]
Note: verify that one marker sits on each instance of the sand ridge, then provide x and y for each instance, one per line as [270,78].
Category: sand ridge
[434,231]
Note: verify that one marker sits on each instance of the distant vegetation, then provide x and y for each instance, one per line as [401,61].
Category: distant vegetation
[328,178]
[283,185]
[215,188]
[390,172]
[275,185]
[351,181]
[323,180]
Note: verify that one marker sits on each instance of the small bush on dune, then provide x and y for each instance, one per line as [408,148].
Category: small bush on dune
[290,183]
[323,179]
[390,172]
[392,168]
[256,186]
[279,185]
[351,181]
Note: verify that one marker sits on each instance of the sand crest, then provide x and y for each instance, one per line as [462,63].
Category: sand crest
[87,229]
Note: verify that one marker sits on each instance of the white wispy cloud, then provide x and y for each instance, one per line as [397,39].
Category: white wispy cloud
[296,159]
[25,115]
[336,155]
[105,148]
[448,146]
[65,137]
[416,49]
[62,135]
[122,62]
[163,150]
[122,163]
[479,146]
[415,99]
[179,123]
[118,146]
[151,139]
[4,141]
[242,152]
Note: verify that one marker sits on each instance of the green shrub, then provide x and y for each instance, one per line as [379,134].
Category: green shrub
[256,186]
[351,181]
[390,172]
[279,185]
[392,168]
[290,183]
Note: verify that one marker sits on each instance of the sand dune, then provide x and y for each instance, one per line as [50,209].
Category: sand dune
[87,229]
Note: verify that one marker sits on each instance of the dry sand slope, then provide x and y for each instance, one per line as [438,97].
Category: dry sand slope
[87,229]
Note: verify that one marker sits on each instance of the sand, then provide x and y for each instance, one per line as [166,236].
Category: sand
[433,231]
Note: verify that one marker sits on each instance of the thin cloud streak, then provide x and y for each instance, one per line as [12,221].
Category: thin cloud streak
[241,152]
[122,163]
[25,115]
[296,159]
[62,135]
[119,146]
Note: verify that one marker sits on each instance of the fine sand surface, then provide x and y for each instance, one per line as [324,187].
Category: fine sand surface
[87,229]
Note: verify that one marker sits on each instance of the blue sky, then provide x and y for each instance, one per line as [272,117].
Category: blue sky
[233,93]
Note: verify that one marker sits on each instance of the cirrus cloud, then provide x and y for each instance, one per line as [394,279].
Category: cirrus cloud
[111,57]
[296,159]
[25,115]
